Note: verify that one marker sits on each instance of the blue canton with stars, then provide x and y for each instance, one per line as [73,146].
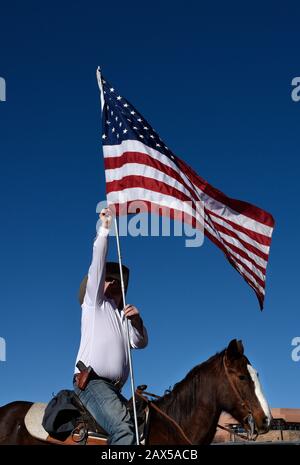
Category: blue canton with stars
[121,121]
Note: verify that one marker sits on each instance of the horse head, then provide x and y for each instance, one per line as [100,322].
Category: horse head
[241,393]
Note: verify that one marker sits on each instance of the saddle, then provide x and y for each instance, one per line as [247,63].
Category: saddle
[84,429]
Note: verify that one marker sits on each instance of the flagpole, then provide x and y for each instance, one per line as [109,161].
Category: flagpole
[98,74]
[128,336]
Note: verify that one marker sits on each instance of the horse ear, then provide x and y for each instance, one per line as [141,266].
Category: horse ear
[235,349]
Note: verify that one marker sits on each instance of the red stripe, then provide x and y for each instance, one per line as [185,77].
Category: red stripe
[238,251]
[229,257]
[133,181]
[259,295]
[248,246]
[144,159]
[152,185]
[152,207]
[245,208]
[260,238]
[260,281]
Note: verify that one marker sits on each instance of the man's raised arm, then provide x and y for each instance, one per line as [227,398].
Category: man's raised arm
[96,275]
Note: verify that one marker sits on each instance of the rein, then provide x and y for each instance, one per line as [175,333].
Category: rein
[245,438]
[170,419]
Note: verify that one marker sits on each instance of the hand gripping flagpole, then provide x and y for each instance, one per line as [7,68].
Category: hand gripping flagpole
[98,73]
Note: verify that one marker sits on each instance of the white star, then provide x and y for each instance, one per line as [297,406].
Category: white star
[124,131]
[104,92]
[132,112]
[157,145]
[112,89]
[145,127]
[104,82]
[108,122]
[104,136]
[125,105]
[113,130]
[119,97]
[140,120]
[129,120]
[134,127]
[140,135]
[116,118]
[111,113]
[152,136]
[120,124]
[173,158]
[118,135]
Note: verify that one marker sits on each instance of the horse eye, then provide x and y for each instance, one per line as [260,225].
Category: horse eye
[242,377]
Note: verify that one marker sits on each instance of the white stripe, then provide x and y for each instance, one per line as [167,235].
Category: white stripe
[245,261]
[249,277]
[142,194]
[260,261]
[213,205]
[250,265]
[259,393]
[99,80]
[136,169]
[264,248]
[222,210]
[234,255]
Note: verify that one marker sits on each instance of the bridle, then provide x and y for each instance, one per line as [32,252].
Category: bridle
[248,419]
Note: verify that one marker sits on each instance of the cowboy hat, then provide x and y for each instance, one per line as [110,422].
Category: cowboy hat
[112,271]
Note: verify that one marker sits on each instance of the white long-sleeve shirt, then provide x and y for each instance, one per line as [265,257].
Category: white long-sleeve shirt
[103,327]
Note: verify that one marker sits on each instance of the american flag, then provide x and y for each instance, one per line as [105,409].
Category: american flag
[140,167]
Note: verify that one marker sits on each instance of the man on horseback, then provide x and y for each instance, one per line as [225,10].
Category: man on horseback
[103,341]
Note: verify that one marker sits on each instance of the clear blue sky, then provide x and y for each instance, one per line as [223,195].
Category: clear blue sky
[215,82]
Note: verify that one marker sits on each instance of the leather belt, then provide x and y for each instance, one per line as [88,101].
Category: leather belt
[93,376]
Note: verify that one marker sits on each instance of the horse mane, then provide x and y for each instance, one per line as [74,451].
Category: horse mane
[179,403]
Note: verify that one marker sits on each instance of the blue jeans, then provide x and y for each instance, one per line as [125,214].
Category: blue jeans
[108,407]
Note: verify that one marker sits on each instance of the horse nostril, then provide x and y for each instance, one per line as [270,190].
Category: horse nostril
[266,421]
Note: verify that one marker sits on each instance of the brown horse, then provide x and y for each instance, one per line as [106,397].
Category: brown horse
[189,413]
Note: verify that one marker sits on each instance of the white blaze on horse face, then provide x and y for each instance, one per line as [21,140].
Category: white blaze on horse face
[259,393]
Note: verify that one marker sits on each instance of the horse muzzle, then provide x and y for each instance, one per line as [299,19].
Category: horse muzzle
[264,426]
[254,429]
